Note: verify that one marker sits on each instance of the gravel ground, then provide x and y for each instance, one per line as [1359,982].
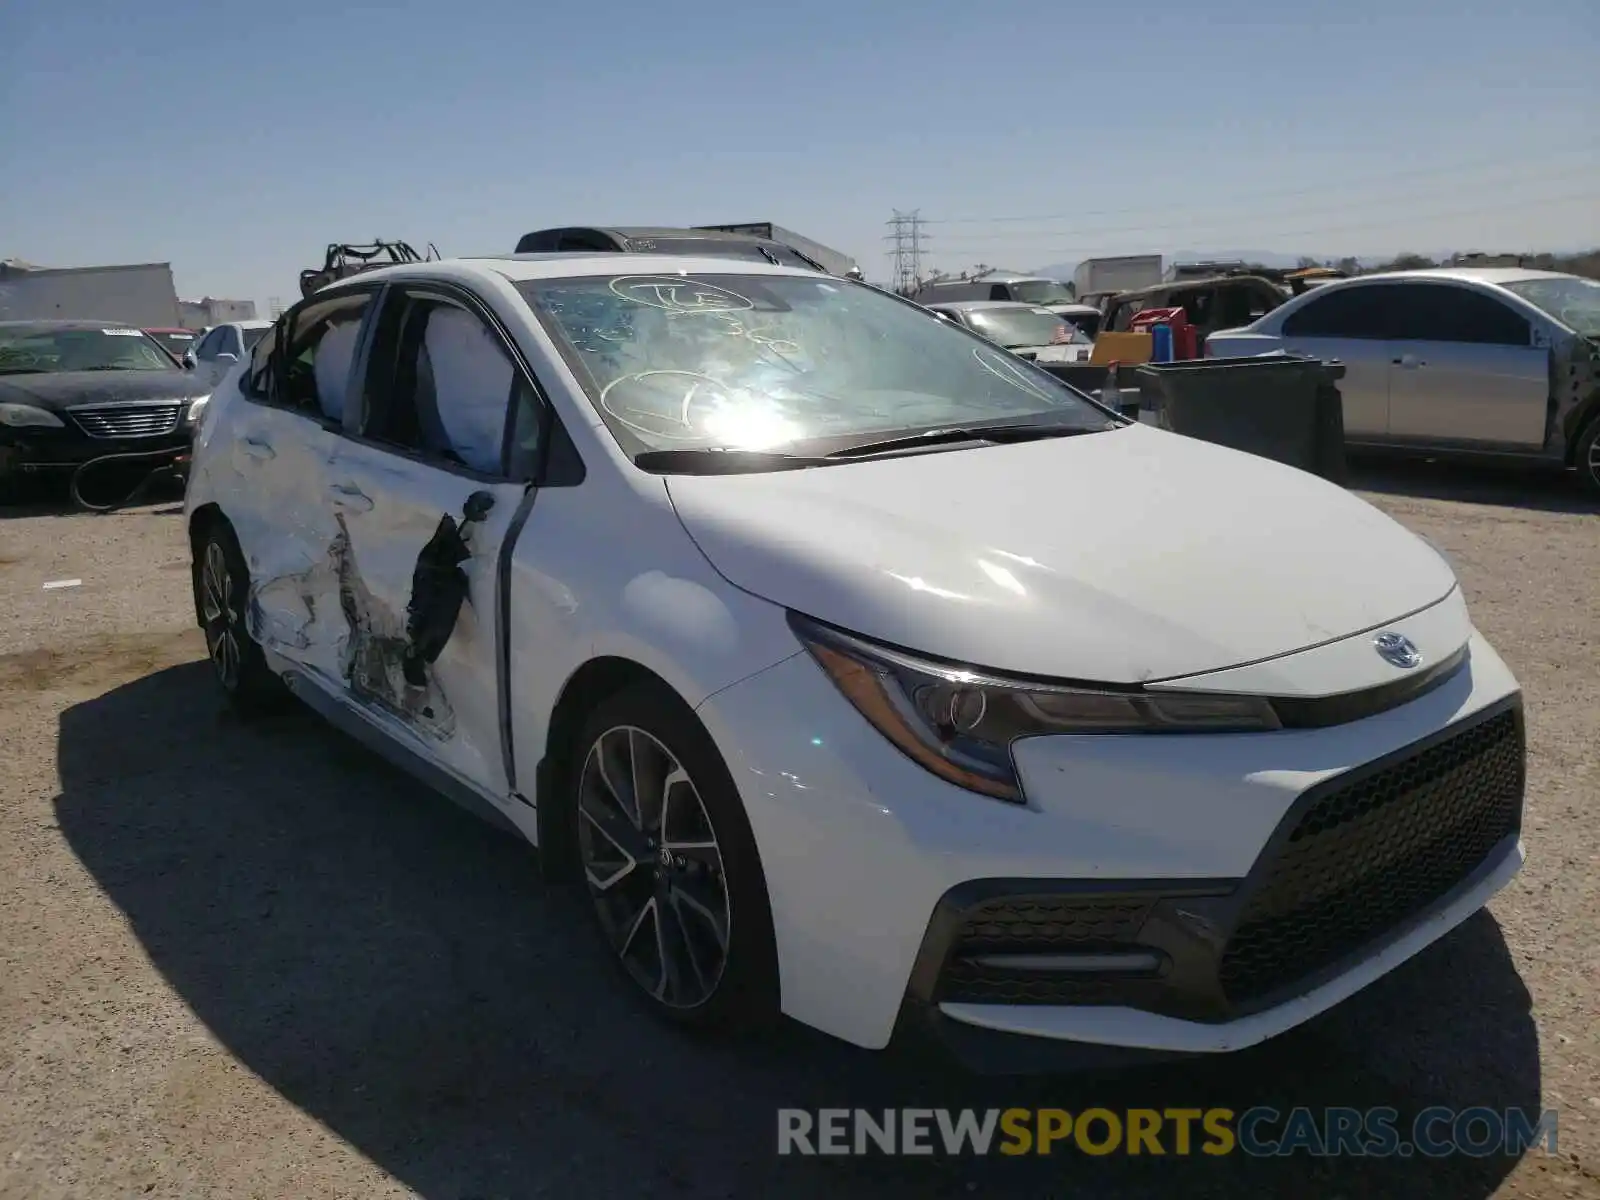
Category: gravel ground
[252,961]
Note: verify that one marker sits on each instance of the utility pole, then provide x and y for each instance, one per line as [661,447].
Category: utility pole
[906,241]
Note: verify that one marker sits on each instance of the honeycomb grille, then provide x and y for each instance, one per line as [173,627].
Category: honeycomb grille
[1051,922]
[972,983]
[1369,855]
[1039,924]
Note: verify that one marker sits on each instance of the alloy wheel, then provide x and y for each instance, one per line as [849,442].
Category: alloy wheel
[220,619]
[653,866]
[1594,463]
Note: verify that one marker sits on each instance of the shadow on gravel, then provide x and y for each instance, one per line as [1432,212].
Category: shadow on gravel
[1541,491]
[394,968]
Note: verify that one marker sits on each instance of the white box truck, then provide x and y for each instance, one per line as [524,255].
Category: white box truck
[1128,273]
[139,294]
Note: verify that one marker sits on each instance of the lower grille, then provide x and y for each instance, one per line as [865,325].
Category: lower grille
[1369,855]
[129,420]
[1040,925]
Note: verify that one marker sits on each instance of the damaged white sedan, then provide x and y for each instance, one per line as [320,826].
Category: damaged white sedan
[860,670]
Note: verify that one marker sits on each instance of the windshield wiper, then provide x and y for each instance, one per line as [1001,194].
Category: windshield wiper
[994,434]
[721,460]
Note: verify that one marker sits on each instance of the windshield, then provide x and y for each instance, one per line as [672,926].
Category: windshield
[1087,324]
[49,351]
[682,362]
[1040,291]
[1017,327]
[1572,301]
[252,336]
[176,342]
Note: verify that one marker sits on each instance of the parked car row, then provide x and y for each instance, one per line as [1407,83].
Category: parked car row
[1466,362]
[646,559]
[1029,331]
[1497,362]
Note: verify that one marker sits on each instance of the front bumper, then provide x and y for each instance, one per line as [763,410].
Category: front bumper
[32,452]
[1166,844]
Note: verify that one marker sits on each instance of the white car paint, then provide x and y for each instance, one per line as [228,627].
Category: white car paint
[1214,571]
[973,563]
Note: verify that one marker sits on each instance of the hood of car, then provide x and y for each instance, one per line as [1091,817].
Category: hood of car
[1126,556]
[67,389]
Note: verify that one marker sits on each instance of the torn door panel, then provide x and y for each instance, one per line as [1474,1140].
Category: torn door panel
[378,652]
[1574,384]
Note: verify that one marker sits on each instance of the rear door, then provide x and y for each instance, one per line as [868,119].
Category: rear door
[1350,324]
[282,440]
[1464,368]
[448,424]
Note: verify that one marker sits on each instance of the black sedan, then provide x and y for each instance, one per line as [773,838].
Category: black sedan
[73,391]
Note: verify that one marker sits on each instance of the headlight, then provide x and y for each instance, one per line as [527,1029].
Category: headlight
[197,408]
[21,416]
[959,723]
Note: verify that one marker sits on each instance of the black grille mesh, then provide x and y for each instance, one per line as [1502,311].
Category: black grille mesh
[1039,924]
[1369,855]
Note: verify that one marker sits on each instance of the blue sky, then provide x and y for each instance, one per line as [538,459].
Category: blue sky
[236,140]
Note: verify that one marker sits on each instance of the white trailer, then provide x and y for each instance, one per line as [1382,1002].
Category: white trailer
[1128,273]
[138,294]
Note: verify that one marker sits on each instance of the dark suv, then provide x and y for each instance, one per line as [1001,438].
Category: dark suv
[653,240]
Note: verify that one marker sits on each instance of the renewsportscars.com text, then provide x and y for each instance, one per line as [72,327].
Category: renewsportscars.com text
[1258,1132]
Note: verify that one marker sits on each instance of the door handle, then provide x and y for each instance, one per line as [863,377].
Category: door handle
[257,449]
[348,497]
[1410,362]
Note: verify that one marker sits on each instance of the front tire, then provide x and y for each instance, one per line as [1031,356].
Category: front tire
[222,596]
[670,863]
[1586,457]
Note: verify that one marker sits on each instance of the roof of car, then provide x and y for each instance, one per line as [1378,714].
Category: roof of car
[569,264]
[1197,284]
[1497,275]
[992,277]
[987,305]
[48,326]
[636,233]
[644,232]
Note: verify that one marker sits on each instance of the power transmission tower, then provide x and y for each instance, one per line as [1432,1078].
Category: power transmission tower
[275,307]
[906,244]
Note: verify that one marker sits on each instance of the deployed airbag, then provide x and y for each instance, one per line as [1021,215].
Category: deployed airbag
[472,384]
[335,354]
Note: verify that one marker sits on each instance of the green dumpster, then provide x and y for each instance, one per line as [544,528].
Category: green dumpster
[1281,406]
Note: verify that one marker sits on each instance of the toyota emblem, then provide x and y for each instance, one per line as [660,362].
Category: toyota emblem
[1397,650]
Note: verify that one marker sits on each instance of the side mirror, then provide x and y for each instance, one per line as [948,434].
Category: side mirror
[187,360]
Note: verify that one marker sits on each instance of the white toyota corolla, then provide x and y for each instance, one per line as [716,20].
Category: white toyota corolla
[863,671]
